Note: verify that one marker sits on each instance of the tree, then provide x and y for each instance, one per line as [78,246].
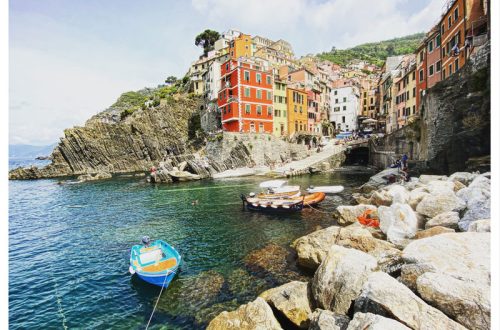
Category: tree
[390,50]
[207,39]
[171,80]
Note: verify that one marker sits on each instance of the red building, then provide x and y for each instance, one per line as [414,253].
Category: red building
[246,97]
[433,46]
[421,72]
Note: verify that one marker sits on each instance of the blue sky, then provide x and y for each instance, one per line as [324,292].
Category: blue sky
[72,59]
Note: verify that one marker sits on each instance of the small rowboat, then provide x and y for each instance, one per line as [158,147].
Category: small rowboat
[272,205]
[325,189]
[283,195]
[313,199]
[155,262]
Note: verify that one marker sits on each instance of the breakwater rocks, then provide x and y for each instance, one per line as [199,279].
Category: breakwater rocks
[426,267]
[117,141]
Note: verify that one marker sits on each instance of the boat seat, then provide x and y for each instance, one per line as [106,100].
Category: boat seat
[163,265]
[151,255]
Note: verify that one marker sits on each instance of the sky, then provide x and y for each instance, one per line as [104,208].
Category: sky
[70,59]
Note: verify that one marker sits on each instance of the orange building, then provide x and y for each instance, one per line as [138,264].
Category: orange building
[240,46]
[297,110]
[246,97]
[452,27]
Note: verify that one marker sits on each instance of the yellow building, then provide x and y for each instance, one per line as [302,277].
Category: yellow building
[296,110]
[280,122]
[241,46]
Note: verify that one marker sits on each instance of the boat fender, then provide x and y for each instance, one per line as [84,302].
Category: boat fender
[243,198]
[131,270]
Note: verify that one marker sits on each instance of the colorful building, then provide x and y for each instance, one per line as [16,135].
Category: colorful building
[406,96]
[280,108]
[345,108]
[240,46]
[421,71]
[433,58]
[246,96]
[296,110]
[313,113]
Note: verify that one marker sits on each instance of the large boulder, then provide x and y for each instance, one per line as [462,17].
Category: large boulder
[466,302]
[398,222]
[313,248]
[438,230]
[440,186]
[327,320]
[434,204]
[477,197]
[462,177]
[398,193]
[347,214]
[384,295]
[338,280]
[464,256]
[292,300]
[380,179]
[416,196]
[425,179]
[446,219]
[369,321]
[254,315]
[480,226]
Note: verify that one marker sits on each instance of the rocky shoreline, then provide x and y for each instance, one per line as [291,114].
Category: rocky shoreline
[426,267]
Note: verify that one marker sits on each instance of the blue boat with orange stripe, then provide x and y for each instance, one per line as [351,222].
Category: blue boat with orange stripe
[154,262]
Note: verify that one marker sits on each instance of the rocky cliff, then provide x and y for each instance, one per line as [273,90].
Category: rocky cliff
[453,131]
[132,135]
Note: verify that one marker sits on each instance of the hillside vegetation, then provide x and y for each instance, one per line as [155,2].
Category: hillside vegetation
[374,52]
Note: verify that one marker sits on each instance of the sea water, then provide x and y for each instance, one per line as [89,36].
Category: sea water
[69,248]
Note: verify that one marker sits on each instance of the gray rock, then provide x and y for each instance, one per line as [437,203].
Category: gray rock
[416,196]
[462,177]
[347,214]
[292,300]
[466,302]
[433,205]
[339,278]
[313,248]
[326,320]
[428,178]
[369,321]
[384,295]
[437,230]
[254,315]
[446,219]
[398,222]
[465,256]
[480,226]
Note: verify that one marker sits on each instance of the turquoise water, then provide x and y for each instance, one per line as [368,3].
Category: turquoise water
[69,249]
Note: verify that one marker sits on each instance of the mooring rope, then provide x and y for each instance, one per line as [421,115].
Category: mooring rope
[158,299]
[318,210]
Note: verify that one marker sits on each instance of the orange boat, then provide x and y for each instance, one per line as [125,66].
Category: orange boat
[313,199]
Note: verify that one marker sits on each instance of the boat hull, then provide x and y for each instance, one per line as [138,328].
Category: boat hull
[313,199]
[158,280]
[269,209]
[326,189]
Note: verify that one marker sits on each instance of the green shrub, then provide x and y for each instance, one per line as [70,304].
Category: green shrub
[125,113]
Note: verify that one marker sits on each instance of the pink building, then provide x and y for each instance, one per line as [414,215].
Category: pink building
[313,113]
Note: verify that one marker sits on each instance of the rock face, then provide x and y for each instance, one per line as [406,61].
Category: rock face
[254,315]
[382,294]
[339,278]
[347,215]
[464,256]
[466,302]
[398,222]
[132,144]
[369,321]
[446,219]
[313,248]
[326,320]
[292,300]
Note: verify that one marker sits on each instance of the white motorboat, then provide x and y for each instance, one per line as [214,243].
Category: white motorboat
[325,189]
[272,184]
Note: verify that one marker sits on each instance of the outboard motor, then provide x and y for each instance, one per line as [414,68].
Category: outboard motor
[311,187]
[252,194]
[146,240]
